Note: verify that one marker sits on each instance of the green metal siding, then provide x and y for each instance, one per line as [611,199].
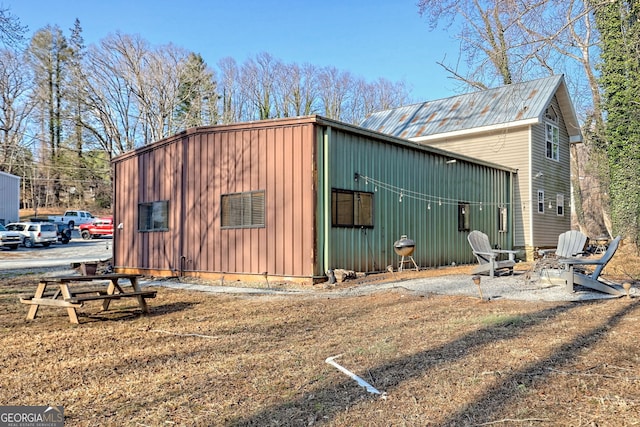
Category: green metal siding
[428,176]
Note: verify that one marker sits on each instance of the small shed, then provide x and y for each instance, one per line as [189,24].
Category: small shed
[292,198]
[10,197]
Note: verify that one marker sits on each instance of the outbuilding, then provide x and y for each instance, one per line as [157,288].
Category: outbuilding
[529,126]
[10,196]
[293,198]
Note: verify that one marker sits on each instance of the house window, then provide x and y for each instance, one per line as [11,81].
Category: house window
[463,217]
[553,142]
[153,216]
[540,201]
[502,219]
[560,204]
[351,208]
[243,210]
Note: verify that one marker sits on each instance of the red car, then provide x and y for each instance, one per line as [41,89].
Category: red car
[99,227]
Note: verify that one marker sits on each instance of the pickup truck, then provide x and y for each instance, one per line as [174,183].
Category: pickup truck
[73,218]
[99,227]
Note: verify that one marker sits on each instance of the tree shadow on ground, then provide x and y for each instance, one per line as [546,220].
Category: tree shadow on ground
[324,404]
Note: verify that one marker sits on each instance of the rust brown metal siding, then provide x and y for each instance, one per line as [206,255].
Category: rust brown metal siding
[193,172]
[151,176]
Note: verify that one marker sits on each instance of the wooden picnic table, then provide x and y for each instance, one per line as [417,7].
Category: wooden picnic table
[70,297]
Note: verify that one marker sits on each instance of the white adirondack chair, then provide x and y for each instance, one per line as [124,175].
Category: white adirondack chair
[487,256]
[570,244]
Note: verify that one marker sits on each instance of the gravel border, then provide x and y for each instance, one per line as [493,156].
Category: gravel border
[513,287]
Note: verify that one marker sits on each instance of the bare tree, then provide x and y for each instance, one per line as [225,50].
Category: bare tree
[114,119]
[15,110]
[233,103]
[296,90]
[335,90]
[134,91]
[11,30]
[505,41]
[258,79]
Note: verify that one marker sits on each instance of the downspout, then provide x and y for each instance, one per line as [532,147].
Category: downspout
[512,177]
[182,259]
[326,202]
[117,219]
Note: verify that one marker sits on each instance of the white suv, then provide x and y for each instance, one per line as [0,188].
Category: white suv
[9,239]
[34,233]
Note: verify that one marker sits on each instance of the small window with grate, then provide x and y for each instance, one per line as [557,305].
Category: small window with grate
[243,210]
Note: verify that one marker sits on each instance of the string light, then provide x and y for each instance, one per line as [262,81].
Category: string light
[404,193]
[429,198]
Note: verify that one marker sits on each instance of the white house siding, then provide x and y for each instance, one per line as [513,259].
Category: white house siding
[508,147]
[10,197]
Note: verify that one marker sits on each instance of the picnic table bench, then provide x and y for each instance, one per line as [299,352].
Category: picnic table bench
[71,297]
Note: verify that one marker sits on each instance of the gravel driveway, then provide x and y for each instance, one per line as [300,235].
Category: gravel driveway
[39,259]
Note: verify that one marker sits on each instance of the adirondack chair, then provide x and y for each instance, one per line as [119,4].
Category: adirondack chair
[593,281]
[570,244]
[487,256]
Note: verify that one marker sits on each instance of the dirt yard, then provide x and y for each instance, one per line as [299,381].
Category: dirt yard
[224,360]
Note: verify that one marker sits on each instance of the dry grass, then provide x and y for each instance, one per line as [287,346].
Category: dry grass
[204,359]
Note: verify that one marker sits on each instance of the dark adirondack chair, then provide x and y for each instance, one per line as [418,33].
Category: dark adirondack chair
[573,276]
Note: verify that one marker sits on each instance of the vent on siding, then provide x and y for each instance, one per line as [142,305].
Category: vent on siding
[243,210]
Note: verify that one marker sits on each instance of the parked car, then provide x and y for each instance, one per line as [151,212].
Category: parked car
[73,218]
[64,232]
[35,233]
[9,239]
[99,227]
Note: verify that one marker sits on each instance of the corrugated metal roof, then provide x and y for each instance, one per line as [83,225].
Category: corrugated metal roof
[514,103]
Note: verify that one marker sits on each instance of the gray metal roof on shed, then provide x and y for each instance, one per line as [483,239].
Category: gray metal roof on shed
[511,105]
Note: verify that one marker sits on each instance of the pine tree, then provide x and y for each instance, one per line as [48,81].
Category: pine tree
[48,55]
[197,97]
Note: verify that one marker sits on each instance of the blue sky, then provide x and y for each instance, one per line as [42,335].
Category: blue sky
[369,38]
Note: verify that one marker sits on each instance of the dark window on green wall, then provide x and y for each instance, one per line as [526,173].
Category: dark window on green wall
[153,216]
[243,210]
[463,217]
[351,208]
